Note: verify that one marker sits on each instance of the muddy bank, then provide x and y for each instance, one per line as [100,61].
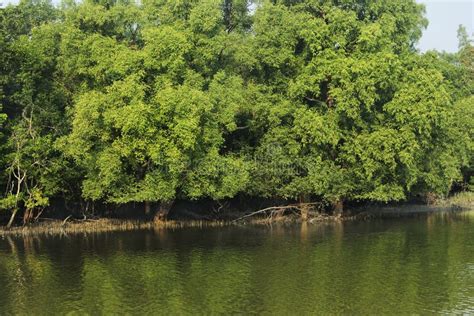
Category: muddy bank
[185,216]
[77,226]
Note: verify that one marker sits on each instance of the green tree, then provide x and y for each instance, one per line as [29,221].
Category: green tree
[463,37]
[351,114]
[150,125]
[34,100]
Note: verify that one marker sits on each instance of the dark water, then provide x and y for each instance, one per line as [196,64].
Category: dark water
[423,265]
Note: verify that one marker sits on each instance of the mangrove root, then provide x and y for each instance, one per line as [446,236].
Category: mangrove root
[302,208]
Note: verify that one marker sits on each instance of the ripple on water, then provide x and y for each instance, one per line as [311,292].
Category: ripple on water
[386,267]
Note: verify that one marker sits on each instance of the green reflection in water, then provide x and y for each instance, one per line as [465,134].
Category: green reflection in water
[403,266]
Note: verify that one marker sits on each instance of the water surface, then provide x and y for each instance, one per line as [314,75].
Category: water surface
[393,266]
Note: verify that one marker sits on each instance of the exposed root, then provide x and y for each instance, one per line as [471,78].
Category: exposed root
[301,208]
[66,219]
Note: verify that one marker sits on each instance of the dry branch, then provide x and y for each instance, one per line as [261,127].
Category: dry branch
[64,222]
[282,208]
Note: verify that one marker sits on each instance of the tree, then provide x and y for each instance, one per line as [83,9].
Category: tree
[458,71]
[338,76]
[152,133]
[34,102]
[463,37]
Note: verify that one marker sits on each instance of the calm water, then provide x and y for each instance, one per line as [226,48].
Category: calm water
[392,267]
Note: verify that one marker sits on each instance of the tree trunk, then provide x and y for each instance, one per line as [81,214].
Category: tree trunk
[12,218]
[431,198]
[304,209]
[17,196]
[165,207]
[338,207]
[28,216]
[304,213]
[147,208]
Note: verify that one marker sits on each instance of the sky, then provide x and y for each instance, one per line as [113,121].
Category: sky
[444,18]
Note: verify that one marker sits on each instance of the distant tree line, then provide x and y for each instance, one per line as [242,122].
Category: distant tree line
[115,101]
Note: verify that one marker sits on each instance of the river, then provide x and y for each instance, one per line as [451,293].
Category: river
[392,266]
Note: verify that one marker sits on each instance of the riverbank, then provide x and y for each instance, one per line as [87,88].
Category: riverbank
[459,202]
[104,225]
[462,200]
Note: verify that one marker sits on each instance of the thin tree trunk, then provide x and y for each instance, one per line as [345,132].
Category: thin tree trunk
[12,218]
[338,207]
[28,216]
[147,208]
[304,207]
[17,196]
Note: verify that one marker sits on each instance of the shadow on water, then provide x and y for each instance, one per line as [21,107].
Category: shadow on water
[418,265]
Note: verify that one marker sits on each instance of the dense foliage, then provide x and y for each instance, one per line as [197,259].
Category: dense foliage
[116,102]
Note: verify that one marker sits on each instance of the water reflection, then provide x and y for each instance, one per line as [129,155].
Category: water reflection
[422,265]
